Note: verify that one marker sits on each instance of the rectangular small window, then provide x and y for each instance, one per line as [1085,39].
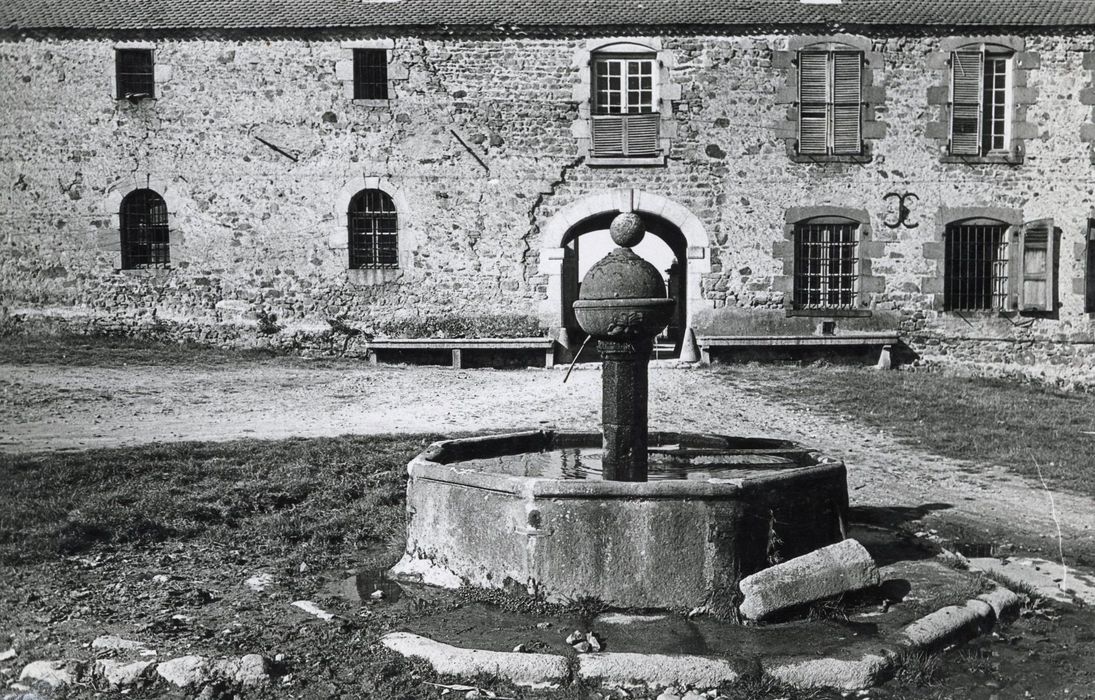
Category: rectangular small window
[980,103]
[625,118]
[370,74]
[830,102]
[826,265]
[135,73]
[975,267]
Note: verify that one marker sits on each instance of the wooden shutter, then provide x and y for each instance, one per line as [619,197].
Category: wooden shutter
[641,134]
[813,99]
[967,75]
[1089,296]
[608,134]
[847,87]
[1037,290]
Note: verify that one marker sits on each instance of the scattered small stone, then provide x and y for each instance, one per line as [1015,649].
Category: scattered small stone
[303,567]
[575,637]
[119,674]
[583,647]
[692,695]
[161,578]
[185,671]
[259,582]
[666,695]
[542,625]
[376,595]
[279,658]
[519,649]
[313,609]
[247,671]
[55,674]
[7,655]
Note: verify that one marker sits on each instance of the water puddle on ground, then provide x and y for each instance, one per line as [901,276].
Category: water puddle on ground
[368,586]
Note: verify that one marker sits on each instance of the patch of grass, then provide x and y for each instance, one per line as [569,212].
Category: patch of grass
[917,668]
[117,351]
[328,495]
[984,421]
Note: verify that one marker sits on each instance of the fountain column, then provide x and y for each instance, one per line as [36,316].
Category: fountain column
[623,305]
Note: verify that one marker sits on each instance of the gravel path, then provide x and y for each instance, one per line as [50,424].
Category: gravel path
[49,407]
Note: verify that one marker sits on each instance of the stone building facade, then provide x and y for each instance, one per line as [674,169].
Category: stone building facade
[782,210]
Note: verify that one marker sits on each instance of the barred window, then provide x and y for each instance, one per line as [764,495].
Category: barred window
[826,264]
[980,101]
[370,74]
[625,117]
[145,238]
[975,266]
[373,230]
[135,73]
[830,102]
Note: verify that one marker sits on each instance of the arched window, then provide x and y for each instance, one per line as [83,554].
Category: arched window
[373,230]
[144,230]
[826,263]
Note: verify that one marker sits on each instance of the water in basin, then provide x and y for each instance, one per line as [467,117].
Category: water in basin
[666,462]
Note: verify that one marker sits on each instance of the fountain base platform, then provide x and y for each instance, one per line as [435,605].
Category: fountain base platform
[527,512]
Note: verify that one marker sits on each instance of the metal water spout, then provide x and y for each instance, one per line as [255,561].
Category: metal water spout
[623,306]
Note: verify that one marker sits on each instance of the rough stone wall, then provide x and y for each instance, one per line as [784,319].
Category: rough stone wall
[252,230]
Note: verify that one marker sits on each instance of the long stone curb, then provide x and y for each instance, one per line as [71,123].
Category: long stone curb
[931,632]
[629,669]
[532,670]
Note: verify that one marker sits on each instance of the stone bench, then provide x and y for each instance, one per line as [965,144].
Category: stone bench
[883,341]
[457,346]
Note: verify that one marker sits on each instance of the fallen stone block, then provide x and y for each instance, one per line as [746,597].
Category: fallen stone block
[55,674]
[853,674]
[119,674]
[949,624]
[111,642]
[532,670]
[249,670]
[1005,604]
[839,568]
[656,670]
[185,671]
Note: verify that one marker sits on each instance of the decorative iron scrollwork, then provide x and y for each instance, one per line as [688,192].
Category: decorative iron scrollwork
[899,211]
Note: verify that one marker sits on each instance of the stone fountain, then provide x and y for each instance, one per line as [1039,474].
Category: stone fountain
[661,520]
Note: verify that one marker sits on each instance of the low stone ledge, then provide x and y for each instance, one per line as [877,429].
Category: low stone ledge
[532,670]
[839,568]
[656,670]
[845,674]
[946,625]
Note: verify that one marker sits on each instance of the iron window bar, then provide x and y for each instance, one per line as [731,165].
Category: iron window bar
[370,74]
[826,266]
[975,267]
[145,236]
[373,231]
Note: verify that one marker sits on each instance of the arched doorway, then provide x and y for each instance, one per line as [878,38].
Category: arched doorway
[573,227]
[664,246]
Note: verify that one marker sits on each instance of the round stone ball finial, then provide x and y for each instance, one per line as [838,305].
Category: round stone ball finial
[627,229]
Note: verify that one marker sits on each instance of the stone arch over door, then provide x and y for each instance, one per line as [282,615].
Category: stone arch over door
[656,209]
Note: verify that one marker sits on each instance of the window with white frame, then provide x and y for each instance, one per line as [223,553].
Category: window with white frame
[826,267]
[625,115]
[981,101]
[830,88]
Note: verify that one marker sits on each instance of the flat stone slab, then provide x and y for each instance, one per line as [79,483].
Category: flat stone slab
[1049,579]
[657,670]
[532,670]
[829,571]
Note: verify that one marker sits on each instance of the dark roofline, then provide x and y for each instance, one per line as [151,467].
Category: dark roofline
[540,31]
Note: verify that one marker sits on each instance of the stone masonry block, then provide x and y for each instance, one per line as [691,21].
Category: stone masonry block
[1087,132]
[838,568]
[1087,96]
[936,130]
[938,95]
[934,250]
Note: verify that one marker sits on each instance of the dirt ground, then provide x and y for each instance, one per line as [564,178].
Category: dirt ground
[53,407]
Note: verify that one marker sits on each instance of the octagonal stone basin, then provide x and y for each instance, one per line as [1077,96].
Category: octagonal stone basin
[528,512]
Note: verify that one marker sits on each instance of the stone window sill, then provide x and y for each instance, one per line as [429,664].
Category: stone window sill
[373,103]
[991,159]
[144,271]
[623,161]
[858,158]
[830,313]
